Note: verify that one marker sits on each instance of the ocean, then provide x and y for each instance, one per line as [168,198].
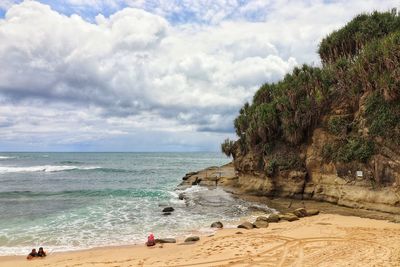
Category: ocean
[72,201]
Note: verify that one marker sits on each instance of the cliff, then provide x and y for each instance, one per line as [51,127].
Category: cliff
[329,133]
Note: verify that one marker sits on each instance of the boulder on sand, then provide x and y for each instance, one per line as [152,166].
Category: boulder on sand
[217,225]
[312,212]
[246,225]
[262,218]
[288,217]
[273,218]
[168,209]
[165,240]
[192,239]
[300,212]
[260,224]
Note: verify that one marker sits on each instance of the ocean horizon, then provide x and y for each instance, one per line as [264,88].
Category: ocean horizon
[77,200]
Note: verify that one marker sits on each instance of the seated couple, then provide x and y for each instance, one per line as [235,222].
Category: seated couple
[41,253]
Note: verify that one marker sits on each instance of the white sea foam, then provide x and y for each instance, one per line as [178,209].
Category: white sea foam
[5,157]
[44,168]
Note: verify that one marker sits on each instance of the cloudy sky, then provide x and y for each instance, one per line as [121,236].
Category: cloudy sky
[148,75]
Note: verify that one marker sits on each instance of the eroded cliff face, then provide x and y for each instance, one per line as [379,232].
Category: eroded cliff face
[371,185]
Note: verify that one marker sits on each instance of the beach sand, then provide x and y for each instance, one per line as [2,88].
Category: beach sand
[322,240]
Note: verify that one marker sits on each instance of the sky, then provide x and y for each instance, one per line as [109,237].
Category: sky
[149,75]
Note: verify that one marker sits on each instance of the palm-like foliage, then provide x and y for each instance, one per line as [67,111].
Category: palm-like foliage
[349,41]
[228,147]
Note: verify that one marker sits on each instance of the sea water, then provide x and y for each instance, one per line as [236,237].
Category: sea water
[69,201]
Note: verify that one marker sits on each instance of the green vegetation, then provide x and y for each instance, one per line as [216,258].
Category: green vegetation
[338,125]
[349,41]
[383,118]
[227,147]
[353,148]
[283,162]
[357,87]
[285,110]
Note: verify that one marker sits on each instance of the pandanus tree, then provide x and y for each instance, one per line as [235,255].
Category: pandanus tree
[349,40]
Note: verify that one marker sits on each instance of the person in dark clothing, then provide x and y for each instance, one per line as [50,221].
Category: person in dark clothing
[41,252]
[32,254]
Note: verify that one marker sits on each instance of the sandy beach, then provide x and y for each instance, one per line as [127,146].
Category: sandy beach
[322,240]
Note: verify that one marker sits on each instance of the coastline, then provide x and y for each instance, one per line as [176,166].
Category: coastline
[325,239]
[337,236]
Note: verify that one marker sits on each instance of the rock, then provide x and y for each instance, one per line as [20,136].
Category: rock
[181,196]
[165,240]
[197,181]
[168,209]
[262,218]
[239,233]
[260,224]
[217,225]
[288,217]
[300,212]
[167,213]
[192,239]
[273,218]
[312,212]
[246,225]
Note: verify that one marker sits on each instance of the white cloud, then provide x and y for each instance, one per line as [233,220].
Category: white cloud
[64,78]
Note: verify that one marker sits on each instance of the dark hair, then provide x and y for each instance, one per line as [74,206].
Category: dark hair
[41,248]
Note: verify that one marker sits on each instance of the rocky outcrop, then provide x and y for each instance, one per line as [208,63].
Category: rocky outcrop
[246,225]
[374,185]
[217,225]
[212,176]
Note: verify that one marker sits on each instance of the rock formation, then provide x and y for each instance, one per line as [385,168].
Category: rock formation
[329,133]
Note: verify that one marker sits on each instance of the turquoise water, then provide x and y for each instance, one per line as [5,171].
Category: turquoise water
[67,201]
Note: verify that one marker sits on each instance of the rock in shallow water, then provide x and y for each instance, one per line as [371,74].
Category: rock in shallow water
[192,239]
[246,225]
[165,240]
[168,209]
[217,225]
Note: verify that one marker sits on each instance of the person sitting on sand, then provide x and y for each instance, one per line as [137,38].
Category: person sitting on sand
[41,253]
[150,241]
[32,254]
